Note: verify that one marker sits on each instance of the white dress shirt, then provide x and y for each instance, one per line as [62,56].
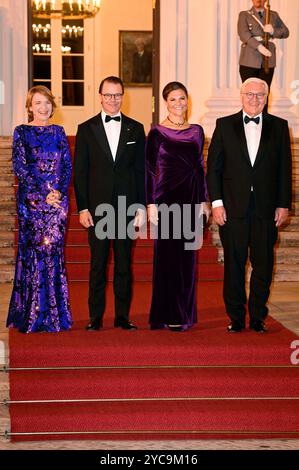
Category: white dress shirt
[112,129]
[253,134]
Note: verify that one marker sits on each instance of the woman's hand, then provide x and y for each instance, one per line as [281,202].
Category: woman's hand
[206,210]
[152,214]
[54,198]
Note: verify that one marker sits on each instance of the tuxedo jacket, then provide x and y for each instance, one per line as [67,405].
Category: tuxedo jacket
[230,174]
[97,177]
[249,30]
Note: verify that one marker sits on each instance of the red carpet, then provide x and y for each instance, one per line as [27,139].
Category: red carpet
[155,384]
[146,384]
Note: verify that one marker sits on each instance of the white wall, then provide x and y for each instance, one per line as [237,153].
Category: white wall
[13,63]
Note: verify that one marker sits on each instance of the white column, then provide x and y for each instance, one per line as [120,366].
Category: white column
[281,91]
[13,64]
[174,44]
[225,75]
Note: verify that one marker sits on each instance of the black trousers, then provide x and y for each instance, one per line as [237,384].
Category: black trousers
[248,72]
[122,282]
[254,237]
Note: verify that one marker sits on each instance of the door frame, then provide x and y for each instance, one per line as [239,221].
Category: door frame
[156,63]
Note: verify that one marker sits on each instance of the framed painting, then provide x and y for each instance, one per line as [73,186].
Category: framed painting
[135,57]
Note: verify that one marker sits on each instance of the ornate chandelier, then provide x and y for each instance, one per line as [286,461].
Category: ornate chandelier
[65,8]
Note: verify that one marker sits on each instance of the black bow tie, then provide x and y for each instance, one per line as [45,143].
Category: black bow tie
[261,14]
[247,119]
[109,118]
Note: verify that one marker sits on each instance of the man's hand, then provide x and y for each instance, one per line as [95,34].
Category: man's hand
[86,219]
[139,218]
[281,215]
[152,214]
[263,50]
[219,215]
[268,28]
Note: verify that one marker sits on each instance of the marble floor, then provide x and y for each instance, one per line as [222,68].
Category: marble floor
[284,306]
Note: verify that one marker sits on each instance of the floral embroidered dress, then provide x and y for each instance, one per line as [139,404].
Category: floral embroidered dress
[40,299]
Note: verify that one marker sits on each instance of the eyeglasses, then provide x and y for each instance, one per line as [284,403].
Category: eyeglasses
[250,95]
[109,96]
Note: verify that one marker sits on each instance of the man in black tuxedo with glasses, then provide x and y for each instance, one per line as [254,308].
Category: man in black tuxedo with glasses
[109,163]
[250,185]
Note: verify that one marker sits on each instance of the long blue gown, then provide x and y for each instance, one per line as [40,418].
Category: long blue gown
[174,175]
[40,299]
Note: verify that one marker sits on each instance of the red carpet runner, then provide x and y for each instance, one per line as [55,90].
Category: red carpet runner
[116,384]
[147,384]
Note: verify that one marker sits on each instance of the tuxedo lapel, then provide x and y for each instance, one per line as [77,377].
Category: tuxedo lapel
[126,128]
[100,135]
[265,139]
[240,135]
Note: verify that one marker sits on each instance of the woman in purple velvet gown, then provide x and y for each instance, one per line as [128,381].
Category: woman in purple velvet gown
[174,175]
[42,163]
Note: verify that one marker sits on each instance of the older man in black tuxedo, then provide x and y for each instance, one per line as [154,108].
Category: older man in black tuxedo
[249,182]
[109,163]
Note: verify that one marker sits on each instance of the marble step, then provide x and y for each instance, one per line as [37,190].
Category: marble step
[282,273]
[5,155]
[6,272]
[7,222]
[8,191]
[7,254]
[7,237]
[286,272]
[4,420]
[293,224]
[6,169]
[287,255]
[7,196]
[295,208]
[5,141]
[283,255]
[6,180]
[290,238]
[8,206]
[5,161]
[4,385]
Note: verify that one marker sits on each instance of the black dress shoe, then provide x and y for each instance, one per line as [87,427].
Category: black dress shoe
[258,326]
[235,327]
[126,325]
[93,326]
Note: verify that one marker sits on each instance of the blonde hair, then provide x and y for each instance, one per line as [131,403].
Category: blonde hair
[43,90]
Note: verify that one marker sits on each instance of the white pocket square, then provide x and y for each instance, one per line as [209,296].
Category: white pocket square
[130,143]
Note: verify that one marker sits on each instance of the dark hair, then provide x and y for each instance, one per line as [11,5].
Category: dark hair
[171,86]
[43,91]
[111,79]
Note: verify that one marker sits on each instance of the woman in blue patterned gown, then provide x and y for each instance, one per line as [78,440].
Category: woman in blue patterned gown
[42,164]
